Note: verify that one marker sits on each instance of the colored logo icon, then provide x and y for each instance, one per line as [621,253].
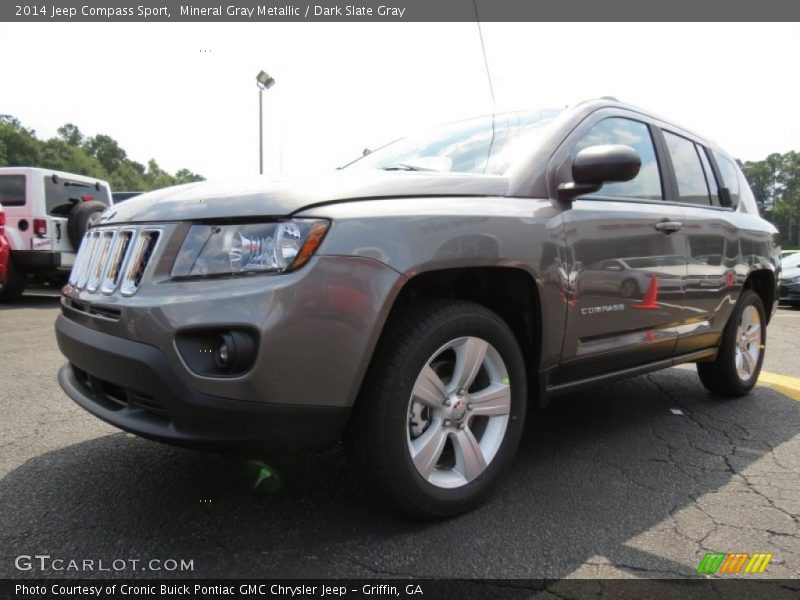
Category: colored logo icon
[737,562]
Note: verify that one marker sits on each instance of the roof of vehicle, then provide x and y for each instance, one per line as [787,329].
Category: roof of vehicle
[48,172]
[591,105]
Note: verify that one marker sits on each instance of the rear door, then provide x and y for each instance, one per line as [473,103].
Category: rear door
[627,258]
[714,245]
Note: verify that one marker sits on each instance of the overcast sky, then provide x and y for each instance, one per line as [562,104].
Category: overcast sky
[185,93]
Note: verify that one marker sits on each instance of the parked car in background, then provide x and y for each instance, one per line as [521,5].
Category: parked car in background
[47,214]
[122,196]
[417,313]
[790,280]
[630,277]
[5,252]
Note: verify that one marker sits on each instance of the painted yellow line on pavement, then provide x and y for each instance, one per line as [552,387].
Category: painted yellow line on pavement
[786,385]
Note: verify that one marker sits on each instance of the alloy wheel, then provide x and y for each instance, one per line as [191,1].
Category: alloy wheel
[458,412]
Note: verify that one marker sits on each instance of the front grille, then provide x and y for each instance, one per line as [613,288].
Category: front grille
[92,309]
[111,258]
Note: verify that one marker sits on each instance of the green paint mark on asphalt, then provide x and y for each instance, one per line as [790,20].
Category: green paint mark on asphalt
[265,479]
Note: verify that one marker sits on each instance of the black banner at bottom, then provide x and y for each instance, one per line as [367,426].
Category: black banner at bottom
[374,589]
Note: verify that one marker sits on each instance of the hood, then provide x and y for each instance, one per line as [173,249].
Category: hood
[266,197]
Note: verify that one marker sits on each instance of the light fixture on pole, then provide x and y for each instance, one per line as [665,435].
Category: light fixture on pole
[264,82]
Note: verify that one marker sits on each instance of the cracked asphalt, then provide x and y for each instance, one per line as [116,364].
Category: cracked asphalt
[607,483]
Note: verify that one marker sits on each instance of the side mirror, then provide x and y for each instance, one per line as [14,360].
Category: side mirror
[597,165]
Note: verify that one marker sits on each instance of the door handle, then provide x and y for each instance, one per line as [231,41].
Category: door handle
[669,226]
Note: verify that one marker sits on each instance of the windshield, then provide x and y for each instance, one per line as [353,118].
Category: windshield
[481,145]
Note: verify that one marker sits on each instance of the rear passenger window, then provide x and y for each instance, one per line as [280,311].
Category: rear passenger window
[689,171]
[647,184]
[710,179]
[730,178]
[12,190]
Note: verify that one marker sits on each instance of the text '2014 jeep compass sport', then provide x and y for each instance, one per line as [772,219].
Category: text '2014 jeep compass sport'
[417,301]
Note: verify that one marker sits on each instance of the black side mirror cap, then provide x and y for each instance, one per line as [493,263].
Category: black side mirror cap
[597,165]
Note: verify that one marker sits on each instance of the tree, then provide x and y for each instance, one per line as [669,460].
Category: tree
[59,155]
[186,176]
[98,156]
[775,182]
[21,146]
[106,150]
[70,134]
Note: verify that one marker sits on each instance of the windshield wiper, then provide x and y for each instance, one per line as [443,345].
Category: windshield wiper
[405,167]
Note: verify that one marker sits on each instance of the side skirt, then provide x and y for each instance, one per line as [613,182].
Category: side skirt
[553,391]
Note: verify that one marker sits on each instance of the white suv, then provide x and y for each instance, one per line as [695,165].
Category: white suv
[47,213]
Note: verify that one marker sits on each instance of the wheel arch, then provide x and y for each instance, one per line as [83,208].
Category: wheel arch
[764,283]
[518,303]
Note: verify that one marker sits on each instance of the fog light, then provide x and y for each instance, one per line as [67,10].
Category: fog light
[234,352]
[218,352]
[223,356]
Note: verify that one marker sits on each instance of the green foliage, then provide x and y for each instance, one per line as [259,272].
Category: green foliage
[21,145]
[95,156]
[775,182]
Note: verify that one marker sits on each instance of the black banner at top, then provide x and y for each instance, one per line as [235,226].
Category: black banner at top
[397,11]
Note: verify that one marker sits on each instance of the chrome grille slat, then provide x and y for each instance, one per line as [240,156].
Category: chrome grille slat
[91,256]
[80,258]
[112,258]
[115,265]
[101,262]
[137,263]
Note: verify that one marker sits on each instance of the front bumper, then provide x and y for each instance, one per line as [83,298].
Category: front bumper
[789,293]
[130,385]
[43,259]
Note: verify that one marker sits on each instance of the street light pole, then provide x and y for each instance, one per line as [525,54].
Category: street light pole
[260,130]
[264,82]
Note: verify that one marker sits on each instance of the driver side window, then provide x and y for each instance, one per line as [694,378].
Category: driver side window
[616,130]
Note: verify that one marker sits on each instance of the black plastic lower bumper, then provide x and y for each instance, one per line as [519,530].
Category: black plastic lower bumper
[130,385]
[789,293]
[37,259]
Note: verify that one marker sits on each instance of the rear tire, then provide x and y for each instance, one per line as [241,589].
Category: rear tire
[438,420]
[741,354]
[82,216]
[15,283]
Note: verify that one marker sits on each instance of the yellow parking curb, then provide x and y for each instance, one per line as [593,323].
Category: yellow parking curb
[786,385]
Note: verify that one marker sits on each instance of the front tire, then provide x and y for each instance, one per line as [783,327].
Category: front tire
[441,412]
[741,354]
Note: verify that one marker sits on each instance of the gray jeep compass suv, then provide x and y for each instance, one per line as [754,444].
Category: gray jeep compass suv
[416,302]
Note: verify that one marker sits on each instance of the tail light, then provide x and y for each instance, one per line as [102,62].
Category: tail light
[2,221]
[40,226]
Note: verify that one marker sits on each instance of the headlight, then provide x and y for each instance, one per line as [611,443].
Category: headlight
[248,247]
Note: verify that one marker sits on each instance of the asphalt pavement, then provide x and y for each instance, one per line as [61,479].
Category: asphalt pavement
[635,479]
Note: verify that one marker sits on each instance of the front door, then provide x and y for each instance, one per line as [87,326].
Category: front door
[627,266]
